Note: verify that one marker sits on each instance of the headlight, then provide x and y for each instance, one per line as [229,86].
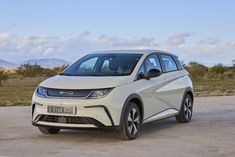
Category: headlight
[100,93]
[41,91]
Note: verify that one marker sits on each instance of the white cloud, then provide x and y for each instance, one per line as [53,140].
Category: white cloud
[15,45]
[178,38]
[209,45]
[114,41]
[231,43]
[42,46]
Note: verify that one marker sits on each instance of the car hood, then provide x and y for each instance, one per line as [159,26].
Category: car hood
[83,82]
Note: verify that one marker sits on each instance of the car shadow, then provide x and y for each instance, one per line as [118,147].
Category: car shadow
[107,135]
[156,126]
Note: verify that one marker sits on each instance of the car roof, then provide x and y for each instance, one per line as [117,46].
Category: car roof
[143,51]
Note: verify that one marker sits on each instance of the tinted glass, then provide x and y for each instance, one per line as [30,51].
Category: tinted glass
[141,72]
[152,62]
[142,69]
[179,64]
[104,65]
[168,63]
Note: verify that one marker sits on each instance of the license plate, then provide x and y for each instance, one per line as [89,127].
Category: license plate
[59,109]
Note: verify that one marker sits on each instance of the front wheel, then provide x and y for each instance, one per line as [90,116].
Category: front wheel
[48,130]
[186,110]
[131,122]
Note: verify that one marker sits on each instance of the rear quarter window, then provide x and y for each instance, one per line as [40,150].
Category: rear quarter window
[179,64]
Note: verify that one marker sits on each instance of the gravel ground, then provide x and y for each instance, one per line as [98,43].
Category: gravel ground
[210,134]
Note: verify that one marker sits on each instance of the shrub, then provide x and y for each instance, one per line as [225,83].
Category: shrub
[197,71]
[60,69]
[217,71]
[28,70]
[3,76]
[229,74]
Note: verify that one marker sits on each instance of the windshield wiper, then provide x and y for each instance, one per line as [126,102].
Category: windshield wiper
[96,75]
[63,74]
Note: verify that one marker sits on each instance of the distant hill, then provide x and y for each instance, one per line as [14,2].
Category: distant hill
[47,63]
[7,65]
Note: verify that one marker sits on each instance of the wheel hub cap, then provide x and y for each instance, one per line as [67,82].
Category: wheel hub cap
[188,108]
[133,121]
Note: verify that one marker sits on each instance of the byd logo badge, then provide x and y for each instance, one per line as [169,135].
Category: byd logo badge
[66,92]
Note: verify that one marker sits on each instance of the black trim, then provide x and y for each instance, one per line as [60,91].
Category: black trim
[69,120]
[76,110]
[33,108]
[37,118]
[75,128]
[158,56]
[105,109]
[129,98]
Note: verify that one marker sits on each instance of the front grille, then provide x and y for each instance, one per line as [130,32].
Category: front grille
[82,93]
[69,120]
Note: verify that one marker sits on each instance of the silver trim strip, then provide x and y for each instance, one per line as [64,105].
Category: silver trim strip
[67,125]
[165,114]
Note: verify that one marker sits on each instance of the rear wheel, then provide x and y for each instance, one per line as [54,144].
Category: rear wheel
[131,122]
[186,110]
[48,130]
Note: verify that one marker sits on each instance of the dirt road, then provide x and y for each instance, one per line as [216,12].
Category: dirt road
[211,133]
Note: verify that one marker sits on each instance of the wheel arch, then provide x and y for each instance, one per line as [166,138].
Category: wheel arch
[136,99]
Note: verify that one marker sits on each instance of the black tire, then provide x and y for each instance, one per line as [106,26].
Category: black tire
[45,130]
[186,110]
[131,122]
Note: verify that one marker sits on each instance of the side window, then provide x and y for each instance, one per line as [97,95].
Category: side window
[169,63]
[179,64]
[152,62]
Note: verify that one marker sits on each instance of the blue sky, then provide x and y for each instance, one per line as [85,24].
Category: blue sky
[201,30]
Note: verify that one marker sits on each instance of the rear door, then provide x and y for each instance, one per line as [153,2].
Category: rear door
[153,103]
[173,87]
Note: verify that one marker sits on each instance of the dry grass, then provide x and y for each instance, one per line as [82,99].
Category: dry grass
[17,91]
[214,88]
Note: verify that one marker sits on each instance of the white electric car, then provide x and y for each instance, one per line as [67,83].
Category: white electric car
[118,89]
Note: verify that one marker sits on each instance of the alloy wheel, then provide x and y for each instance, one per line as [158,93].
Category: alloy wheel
[188,108]
[133,121]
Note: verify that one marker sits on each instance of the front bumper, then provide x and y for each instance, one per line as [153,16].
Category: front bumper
[89,113]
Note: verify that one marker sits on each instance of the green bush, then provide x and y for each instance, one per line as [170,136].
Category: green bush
[60,69]
[27,70]
[3,76]
[218,69]
[197,71]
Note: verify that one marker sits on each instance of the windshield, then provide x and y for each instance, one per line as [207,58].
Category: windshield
[104,65]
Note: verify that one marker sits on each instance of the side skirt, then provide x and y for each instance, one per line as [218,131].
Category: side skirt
[162,115]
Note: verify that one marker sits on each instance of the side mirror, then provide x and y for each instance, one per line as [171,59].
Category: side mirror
[153,73]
